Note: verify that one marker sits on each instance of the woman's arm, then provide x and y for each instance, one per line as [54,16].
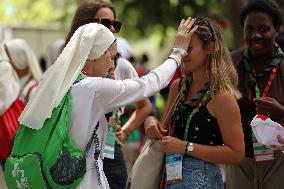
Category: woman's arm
[153,128]
[143,109]
[125,70]
[225,108]
[114,94]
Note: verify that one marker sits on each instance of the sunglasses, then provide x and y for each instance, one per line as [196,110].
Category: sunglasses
[108,23]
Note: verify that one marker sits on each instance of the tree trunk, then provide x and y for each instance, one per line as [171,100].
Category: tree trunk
[234,8]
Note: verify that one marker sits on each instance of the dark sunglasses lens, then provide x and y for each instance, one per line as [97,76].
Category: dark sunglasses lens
[116,25]
[106,23]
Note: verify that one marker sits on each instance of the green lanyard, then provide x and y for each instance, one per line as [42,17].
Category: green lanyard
[201,102]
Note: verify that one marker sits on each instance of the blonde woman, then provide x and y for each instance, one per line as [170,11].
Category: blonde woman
[206,126]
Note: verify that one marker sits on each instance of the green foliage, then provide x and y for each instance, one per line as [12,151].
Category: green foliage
[140,18]
[37,12]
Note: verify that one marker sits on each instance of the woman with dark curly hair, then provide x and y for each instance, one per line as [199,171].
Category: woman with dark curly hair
[261,74]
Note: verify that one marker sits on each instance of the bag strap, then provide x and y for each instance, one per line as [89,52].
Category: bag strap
[90,142]
[169,113]
[94,138]
[175,103]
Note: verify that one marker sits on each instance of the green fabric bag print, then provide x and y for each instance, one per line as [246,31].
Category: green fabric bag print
[20,177]
[36,153]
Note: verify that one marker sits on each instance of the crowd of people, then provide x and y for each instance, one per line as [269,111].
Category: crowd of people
[78,121]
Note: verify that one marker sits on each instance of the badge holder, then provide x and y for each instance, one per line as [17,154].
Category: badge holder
[174,168]
[261,152]
[110,140]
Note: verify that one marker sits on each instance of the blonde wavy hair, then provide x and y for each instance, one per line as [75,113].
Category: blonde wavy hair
[221,72]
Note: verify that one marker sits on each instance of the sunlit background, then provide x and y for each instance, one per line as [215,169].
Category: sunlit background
[148,25]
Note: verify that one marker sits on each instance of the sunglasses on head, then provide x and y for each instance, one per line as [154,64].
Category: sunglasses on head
[108,23]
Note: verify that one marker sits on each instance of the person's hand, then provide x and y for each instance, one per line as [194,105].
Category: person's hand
[270,107]
[281,141]
[153,128]
[184,33]
[172,144]
[117,127]
[121,136]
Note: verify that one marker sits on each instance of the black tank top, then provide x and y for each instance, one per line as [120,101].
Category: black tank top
[203,128]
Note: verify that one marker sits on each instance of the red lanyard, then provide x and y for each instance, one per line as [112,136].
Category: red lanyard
[268,84]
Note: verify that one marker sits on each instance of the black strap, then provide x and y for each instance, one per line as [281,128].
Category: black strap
[94,139]
[89,144]
[180,82]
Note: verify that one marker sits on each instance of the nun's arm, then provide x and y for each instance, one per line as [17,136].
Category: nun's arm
[115,94]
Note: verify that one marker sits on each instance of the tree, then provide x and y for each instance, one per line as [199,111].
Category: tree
[143,18]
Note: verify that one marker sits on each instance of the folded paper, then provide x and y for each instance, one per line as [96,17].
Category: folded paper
[266,130]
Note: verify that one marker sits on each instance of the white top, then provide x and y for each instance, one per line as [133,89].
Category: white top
[9,86]
[124,70]
[93,97]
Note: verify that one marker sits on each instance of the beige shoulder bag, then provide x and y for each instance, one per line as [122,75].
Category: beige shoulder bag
[147,169]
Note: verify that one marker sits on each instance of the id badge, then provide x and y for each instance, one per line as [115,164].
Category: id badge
[174,168]
[261,152]
[110,143]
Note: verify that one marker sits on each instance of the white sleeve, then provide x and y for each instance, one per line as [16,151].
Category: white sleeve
[124,70]
[112,94]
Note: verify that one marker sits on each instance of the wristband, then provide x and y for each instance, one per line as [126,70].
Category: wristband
[176,59]
[126,131]
[181,51]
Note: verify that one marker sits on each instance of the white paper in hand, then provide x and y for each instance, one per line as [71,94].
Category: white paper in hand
[266,130]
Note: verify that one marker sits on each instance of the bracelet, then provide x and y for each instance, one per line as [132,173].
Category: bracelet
[126,131]
[185,150]
[181,51]
[176,59]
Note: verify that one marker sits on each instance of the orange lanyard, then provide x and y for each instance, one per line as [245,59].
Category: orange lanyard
[268,84]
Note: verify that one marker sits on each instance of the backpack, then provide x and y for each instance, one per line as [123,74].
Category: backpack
[36,153]
[9,125]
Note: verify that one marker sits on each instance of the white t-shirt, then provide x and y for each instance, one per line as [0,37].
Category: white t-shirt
[93,97]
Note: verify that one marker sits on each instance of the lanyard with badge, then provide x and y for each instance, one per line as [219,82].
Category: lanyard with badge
[112,126]
[113,123]
[173,160]
[262,153]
